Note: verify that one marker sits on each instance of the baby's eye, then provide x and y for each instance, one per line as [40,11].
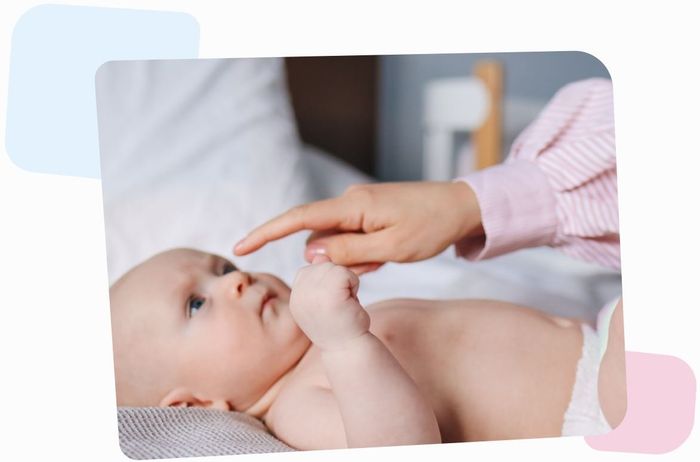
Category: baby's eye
[228,268]
[194,304]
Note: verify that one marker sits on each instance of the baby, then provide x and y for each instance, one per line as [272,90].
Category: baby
[321,371]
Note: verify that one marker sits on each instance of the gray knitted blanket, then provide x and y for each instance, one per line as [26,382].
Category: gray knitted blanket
[155,433]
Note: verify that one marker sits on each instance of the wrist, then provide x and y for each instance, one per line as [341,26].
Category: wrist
[467,209]
[354,343]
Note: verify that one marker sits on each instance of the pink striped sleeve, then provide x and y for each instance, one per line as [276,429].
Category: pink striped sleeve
[558,186]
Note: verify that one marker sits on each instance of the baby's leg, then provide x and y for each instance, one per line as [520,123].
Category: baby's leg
[612,389]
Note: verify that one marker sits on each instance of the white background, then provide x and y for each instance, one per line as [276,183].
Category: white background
[57,380]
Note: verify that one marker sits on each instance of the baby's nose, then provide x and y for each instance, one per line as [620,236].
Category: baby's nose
[238,282]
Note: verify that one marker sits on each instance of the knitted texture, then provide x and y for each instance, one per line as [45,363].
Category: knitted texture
[156,433]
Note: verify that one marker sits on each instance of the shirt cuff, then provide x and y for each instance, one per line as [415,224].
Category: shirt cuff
[518,210]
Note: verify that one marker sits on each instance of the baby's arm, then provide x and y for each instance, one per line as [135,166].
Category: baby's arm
[378,402]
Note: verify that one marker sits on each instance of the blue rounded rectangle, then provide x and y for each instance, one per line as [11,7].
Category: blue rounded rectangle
[56,50]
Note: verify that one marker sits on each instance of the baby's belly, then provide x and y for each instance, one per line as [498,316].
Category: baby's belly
[491,370]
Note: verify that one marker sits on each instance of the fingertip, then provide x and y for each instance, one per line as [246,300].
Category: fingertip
[320,258]
[315,249]
[240,248]
[247,245]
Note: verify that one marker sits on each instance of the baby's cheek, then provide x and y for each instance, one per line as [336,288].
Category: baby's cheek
[228,344]
[209,347]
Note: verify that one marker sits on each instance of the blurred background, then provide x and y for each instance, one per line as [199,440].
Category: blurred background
[196,153]
[399,117]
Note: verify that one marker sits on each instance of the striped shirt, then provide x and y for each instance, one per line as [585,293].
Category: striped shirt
[558,186]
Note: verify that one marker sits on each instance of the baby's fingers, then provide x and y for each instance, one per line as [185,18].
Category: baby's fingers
[354,283]
[320,258]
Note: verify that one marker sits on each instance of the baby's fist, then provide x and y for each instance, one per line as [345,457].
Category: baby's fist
[324,304]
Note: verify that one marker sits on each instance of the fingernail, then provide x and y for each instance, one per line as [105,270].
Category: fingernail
[239,245]
[314,249]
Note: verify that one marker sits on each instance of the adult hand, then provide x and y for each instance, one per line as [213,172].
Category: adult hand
[375,223]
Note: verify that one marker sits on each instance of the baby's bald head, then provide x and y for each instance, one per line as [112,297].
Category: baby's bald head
[144,366]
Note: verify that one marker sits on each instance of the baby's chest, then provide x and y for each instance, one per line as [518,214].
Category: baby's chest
[425,345]
[416,335]
[418,338]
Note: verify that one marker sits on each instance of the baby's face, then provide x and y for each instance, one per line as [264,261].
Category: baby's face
[220,332]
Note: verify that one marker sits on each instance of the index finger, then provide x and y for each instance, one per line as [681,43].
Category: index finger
[335,213]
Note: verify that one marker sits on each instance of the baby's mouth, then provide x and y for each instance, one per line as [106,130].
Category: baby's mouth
[265,304]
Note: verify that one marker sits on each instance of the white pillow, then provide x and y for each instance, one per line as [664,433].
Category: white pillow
[196,153]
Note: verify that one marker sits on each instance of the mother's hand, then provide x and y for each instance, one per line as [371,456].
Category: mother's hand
[376,223]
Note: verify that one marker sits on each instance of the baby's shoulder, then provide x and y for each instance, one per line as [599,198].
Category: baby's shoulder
[308,373]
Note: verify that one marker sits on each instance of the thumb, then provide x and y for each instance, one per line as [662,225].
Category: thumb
[349,249]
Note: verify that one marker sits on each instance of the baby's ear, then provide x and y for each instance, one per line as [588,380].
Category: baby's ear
[182,397]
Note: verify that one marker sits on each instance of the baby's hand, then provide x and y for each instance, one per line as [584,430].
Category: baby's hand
[324,304]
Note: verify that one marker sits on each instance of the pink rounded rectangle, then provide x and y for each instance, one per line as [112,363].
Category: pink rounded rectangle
[660,406]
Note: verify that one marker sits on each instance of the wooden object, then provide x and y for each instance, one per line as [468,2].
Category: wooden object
[487,139]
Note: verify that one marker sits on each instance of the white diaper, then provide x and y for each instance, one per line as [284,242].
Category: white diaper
[584,416]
